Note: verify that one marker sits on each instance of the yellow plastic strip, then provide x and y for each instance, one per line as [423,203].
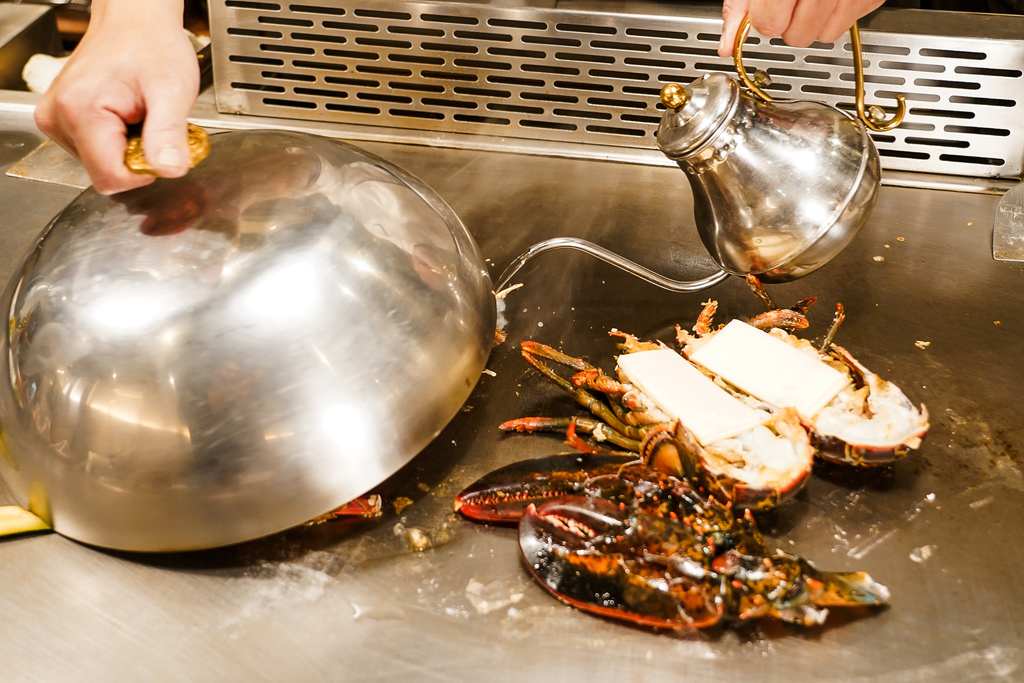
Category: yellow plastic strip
[18,520]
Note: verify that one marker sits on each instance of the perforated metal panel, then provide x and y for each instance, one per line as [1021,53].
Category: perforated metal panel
[593,77]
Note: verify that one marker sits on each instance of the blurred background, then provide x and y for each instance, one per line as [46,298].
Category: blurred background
[73,15]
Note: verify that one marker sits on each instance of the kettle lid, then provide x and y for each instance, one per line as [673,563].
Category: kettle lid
[706,105]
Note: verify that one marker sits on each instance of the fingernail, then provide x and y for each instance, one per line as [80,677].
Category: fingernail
[169,158]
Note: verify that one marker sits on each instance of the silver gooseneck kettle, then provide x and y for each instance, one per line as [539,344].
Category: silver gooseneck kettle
[779,187]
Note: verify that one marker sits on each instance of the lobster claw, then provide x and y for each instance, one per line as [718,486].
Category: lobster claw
[581,550]
[503,495]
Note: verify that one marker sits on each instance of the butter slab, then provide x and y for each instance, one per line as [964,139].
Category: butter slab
[685,393]
[769,368]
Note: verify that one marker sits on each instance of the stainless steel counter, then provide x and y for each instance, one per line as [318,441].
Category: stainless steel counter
[354,601]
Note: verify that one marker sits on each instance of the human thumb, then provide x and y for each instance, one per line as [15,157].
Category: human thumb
[165,135]
[733,12]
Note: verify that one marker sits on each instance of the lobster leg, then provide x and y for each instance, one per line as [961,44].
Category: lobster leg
[783,318]
[544,351]
[533,352]
[584,425]
[757,287]
[837,320]
[364,506]
[630,344]
[702,327]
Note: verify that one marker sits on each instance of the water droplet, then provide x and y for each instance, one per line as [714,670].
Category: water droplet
[921,554]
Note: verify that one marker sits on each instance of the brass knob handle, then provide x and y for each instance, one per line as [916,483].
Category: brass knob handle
[674,96]
[198,149]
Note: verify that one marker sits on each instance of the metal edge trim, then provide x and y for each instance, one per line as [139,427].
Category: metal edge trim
[205,113]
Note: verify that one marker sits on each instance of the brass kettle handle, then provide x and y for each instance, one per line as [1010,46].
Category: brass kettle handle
[873,116]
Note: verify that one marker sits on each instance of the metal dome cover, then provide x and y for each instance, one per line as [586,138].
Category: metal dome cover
[222,356]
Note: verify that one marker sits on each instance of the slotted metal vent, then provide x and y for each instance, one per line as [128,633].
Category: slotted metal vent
[594,77]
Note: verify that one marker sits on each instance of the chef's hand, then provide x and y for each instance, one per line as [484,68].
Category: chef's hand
[798,22]
[134,64]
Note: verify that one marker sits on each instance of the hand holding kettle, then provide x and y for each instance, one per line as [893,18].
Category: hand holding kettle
[798,22]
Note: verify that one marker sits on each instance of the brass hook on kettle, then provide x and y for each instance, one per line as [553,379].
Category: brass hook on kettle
[873,116]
